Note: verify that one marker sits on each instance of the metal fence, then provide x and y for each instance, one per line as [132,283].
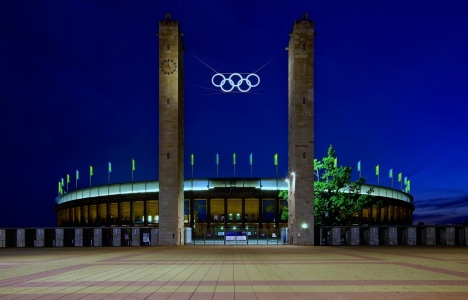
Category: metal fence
[447,235]
[226,237]
[428,235]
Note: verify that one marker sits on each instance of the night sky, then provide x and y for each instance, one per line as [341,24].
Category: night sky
[79,87]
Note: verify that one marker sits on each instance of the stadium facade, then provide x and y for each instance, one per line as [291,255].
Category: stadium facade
[211,206]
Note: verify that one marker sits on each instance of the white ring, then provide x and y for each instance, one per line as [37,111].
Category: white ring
[238,83]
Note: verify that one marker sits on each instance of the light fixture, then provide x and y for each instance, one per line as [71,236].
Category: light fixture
[304,226]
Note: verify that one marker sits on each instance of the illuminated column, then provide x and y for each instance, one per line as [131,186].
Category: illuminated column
[171,133]
[301,131]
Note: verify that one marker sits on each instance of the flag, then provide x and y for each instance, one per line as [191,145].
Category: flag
[90,170]
[192,159]
[251,159]
[62,182]
[408,185]
[77,174]
[275,158]
[60,187]
[399,177]
[406,180]
[68,178]
[217,158]
[133,165]
[234,158]
[390,173]
[377,170]
[335,162]
[359,165]
[110,167]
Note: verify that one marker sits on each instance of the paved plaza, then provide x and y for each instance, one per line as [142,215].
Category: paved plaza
[235,272]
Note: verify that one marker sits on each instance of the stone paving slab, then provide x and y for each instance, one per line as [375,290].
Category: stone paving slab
[235,272]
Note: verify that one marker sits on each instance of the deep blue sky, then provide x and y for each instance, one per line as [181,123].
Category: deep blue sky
[79,87]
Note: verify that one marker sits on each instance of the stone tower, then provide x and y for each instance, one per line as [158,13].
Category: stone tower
[171,133]
[301,132]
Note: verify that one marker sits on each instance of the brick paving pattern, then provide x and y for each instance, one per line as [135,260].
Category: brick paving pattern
[235,272]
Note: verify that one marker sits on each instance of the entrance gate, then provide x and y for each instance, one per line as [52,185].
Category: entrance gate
[214,236]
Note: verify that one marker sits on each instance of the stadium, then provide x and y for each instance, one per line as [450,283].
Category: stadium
[211,206]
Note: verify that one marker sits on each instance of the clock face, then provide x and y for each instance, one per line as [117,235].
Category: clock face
[168,66]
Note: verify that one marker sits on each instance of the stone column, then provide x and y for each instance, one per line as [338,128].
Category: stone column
[301,132]
[171,133]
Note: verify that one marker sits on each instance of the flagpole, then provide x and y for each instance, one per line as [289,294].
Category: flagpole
[377,172]
[133,169]
[234,163]
[90,174]
[390,175]
[275,161]
[192,162]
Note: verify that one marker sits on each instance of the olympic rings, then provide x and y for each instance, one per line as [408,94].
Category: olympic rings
[239,81]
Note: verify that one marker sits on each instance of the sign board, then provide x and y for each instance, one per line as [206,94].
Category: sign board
[146,238]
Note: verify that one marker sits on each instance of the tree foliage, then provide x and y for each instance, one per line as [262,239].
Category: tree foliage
[284,195]
[336,197]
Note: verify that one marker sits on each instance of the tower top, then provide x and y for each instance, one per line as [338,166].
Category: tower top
[167,16]
[305,16]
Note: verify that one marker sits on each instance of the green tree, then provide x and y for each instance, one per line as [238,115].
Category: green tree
[336,197]
[284,195]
